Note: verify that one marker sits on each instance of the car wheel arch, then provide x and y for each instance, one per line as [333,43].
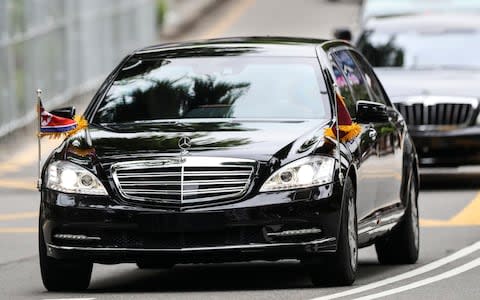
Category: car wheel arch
[350,172]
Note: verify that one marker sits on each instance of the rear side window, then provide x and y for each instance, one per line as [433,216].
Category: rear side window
[353,74]
[342,84]
[370,79]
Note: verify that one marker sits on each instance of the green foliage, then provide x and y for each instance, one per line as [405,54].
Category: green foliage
[161,11]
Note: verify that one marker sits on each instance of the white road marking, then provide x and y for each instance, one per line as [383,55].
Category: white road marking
[71,299]
[453,272]
[426,268]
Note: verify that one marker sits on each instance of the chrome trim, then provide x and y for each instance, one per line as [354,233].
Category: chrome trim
[76,237]
[366,229]
[432,100]
[127,185]
[394,217]
[215,173]
[181,192]
[199,182]
[383,227]
[294,232]
[158,174]
[152,192]
[232,247]
[385,223]
[429,117]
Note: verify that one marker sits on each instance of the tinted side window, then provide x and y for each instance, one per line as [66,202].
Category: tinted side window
[353,74]
[370,79]
[342,84]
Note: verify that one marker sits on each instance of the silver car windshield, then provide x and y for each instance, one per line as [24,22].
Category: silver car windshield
[422,50]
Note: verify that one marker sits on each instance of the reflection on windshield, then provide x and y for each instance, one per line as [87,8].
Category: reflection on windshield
[422,50]
[214,87]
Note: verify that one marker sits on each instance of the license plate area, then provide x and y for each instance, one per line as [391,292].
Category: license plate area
[182,222]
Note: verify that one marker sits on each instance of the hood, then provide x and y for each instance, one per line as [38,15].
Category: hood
[259,140]
[400,82]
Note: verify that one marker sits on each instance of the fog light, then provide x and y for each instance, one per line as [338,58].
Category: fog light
[76,237]
[295,232]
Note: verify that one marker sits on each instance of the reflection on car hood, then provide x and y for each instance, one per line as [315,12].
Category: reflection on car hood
[259,140]
[401,82]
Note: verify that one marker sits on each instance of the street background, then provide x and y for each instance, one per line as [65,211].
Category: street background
[449,204]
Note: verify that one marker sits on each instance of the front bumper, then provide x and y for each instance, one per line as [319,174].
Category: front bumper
[447,148]
[267,226]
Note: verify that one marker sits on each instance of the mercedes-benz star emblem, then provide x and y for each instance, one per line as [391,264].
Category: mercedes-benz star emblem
[184,143]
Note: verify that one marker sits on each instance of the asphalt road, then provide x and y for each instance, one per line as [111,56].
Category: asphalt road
[449,209]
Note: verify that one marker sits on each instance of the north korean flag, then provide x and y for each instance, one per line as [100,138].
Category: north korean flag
[50,123]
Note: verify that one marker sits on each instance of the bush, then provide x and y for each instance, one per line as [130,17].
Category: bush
[161,11]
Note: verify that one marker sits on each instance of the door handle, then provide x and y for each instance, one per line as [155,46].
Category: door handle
[372,133]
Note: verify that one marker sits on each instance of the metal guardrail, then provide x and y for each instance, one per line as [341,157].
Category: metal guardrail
[63,47]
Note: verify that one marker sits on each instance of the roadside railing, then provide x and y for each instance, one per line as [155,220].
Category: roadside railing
[64,47]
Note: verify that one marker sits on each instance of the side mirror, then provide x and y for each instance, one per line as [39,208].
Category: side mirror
[368,111]
[64,112]
[343,34]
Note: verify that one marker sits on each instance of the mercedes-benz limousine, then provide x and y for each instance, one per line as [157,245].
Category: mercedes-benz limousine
[232,149]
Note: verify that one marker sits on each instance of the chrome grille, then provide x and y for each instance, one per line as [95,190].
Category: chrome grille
[437,111]
[183,180]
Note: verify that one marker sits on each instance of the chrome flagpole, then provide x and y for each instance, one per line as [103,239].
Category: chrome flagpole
[337,133]
[39,124]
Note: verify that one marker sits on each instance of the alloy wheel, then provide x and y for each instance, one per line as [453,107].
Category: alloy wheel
[414,214]
[352,233]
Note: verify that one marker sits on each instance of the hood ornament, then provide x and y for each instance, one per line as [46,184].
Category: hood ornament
[184,143]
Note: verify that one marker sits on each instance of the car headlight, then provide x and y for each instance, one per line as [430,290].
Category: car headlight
[302,173]
[67,177]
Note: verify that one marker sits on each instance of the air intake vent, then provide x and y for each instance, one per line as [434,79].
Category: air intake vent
[183,181]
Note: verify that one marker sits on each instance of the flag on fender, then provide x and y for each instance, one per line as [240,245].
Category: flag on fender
[50,123]
[347,129]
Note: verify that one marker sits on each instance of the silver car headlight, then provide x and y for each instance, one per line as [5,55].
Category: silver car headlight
[302,173]
[67,177]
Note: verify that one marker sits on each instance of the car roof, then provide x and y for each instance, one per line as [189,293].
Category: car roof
[427,22]
[253,46]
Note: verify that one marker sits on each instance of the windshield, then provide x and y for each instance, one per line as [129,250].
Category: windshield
[421,50]
[215,87]
[384,8]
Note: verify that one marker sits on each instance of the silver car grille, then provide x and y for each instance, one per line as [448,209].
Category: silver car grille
[437,111]
[183,180]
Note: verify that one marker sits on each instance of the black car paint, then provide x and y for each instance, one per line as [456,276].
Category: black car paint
[273,144]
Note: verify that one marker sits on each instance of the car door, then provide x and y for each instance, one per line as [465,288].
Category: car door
[388,150]
[347,79]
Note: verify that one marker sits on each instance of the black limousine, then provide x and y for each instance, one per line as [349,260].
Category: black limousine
[436,92]
[216,151]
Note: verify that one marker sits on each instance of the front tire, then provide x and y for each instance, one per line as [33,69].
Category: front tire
[401,246]
[62,275]
[340,270]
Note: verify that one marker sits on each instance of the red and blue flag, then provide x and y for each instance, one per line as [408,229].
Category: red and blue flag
[50,123]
